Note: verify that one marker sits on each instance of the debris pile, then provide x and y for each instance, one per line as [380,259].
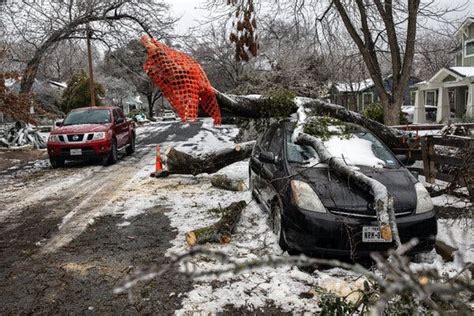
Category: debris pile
[21,134]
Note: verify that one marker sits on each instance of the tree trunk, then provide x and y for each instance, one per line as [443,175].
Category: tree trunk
[391,113]
[221,231]
[179,162]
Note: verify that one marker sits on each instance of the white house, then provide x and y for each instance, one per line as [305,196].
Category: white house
[451,89]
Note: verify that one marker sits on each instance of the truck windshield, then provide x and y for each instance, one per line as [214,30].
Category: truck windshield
[91,116]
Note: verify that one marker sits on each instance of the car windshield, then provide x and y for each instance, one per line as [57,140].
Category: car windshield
[91,116]
[359,148]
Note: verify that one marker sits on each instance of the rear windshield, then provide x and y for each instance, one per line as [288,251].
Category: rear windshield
[91,116]
[361,148]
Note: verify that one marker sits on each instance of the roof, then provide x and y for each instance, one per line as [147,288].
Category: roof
[354,86]
[463,71]
[466,22]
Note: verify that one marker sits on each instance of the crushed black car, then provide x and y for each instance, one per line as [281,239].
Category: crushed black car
[313,211]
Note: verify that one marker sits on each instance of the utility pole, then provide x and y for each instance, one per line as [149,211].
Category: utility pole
[91,70]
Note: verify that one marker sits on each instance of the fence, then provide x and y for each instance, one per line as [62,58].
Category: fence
[453,163]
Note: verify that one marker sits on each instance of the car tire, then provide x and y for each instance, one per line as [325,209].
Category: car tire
[131,148]
[276,225]
[112,157]
[57,162]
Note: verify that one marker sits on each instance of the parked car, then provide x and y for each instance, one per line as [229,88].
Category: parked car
[313,211]
[430,112]
[91,133]
[168,115]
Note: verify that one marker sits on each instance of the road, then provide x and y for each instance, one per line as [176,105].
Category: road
[66,239]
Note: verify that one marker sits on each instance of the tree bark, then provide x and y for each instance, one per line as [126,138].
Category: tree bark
[179,162]
[221,231]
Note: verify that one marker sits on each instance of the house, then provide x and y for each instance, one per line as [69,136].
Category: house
[357,96]
[451,89]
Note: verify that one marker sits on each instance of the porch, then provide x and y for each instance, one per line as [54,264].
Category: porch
[451,90]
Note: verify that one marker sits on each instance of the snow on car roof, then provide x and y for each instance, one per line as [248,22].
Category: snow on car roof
[354,151]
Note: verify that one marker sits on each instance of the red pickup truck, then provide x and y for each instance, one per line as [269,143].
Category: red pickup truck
[93,132]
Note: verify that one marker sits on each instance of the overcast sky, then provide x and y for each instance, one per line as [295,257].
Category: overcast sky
[191,14]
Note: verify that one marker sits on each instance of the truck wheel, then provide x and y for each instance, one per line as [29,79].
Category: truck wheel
[56,162]
[131,148]
[112,157]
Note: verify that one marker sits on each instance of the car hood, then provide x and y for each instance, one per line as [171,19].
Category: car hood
[81,129]
[337,194]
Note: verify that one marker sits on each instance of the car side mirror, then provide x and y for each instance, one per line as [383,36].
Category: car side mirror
[59,124]
[402,158]
[267,157]
[120,120]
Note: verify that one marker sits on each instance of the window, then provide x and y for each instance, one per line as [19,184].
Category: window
[430,98]
[469,48]
[367,99]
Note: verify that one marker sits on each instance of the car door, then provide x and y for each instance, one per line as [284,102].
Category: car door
[269,170]
[255,164]
[120,128]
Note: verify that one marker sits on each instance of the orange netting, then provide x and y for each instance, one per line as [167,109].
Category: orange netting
[182,81]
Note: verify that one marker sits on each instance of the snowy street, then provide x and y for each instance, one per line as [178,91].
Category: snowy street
[69,236]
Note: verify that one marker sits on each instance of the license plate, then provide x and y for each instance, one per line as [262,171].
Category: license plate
[76,152]
[372,234]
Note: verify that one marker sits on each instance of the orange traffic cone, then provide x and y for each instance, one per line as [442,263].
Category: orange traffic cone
[159,172]
[158,166]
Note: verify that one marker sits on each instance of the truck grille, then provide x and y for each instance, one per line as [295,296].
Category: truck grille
[75,138]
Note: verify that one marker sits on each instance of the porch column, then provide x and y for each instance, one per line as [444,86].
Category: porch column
[442,114]
[470,101]
[419,116]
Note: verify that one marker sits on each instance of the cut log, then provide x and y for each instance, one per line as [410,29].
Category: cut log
[224,182]
[221,231]
[179,162]
[445,251]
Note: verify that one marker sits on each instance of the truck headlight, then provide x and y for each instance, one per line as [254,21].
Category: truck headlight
[54,139]
[423,199]
[99,135]
[305,197]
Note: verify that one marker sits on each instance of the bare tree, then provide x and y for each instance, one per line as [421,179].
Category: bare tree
[44,24]
[381,30]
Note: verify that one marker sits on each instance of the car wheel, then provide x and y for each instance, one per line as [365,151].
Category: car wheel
[56,162]
[131,148]
[277,228]
[112,157]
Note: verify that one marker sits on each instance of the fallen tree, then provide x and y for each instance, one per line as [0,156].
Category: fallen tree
[21,135]
[257,107]
[221,231]
[179,162]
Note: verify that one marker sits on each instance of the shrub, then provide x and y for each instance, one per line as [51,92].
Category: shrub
[77,94]
[375,112]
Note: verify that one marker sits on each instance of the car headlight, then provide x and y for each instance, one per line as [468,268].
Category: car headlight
[54,139]
[99,135]
[305,197]
[423,199]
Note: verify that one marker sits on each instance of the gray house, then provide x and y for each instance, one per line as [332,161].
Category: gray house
[357,96]
[451,89]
